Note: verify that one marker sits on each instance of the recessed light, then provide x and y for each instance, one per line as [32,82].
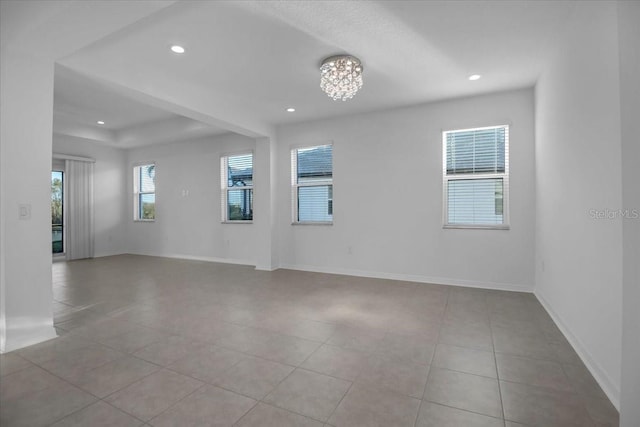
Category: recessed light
[177,49]
[291,110]
[100,122]
[474,77]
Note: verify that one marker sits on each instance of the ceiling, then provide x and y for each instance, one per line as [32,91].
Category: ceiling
[81,102]
[87,101]
[246,62]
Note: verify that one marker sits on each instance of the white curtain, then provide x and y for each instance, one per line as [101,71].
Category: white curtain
[79,209]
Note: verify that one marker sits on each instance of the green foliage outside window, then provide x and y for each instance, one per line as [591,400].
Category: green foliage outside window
[148,211]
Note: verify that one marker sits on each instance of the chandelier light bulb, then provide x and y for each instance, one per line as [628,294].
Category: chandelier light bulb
[341,77]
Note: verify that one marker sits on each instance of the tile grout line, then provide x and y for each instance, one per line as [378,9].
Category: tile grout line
[495,360]
[433,355]
[204,384]
[577,393]
[299,366]
[340,402]
[98,399]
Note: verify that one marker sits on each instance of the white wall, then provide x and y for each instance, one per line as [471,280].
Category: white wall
[579,258]
[109,187]
[629,35]
[388,197]
[26,112]
[188,224]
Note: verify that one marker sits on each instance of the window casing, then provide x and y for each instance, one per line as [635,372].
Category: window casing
[236,188]
[476,178]
[144,192]
[312,184]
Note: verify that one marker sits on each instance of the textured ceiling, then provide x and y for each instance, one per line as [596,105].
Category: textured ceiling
[246,62]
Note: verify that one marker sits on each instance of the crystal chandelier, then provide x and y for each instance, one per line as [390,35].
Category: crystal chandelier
[341,76]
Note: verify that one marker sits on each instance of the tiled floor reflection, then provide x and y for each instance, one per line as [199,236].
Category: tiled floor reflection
[164,342]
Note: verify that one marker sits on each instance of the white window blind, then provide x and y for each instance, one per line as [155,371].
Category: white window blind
[237,187]
[144,189]
[476,177]
[312,184]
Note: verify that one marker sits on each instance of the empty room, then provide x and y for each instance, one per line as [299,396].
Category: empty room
[319,213]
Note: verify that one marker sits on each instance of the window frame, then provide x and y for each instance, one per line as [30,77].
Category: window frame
[137,193]
[474,176]
[293,153]
[224,188]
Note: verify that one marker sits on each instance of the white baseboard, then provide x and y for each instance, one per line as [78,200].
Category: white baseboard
[110,253]
[17,338]
[411,278]
[603,379]
[347,272]
[195,258]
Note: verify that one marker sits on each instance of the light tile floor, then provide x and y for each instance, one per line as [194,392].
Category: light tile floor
[162,342]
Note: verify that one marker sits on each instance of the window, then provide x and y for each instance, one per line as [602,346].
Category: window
[476,177]
[312,184]
[237,187]
[144,190]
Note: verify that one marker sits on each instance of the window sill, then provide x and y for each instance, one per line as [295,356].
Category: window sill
[477,227]
[237,222]
[313,223]
[144,220]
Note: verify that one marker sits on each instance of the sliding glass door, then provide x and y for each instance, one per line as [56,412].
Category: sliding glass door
[57,212]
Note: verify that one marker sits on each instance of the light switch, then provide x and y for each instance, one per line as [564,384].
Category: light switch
[24,211]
